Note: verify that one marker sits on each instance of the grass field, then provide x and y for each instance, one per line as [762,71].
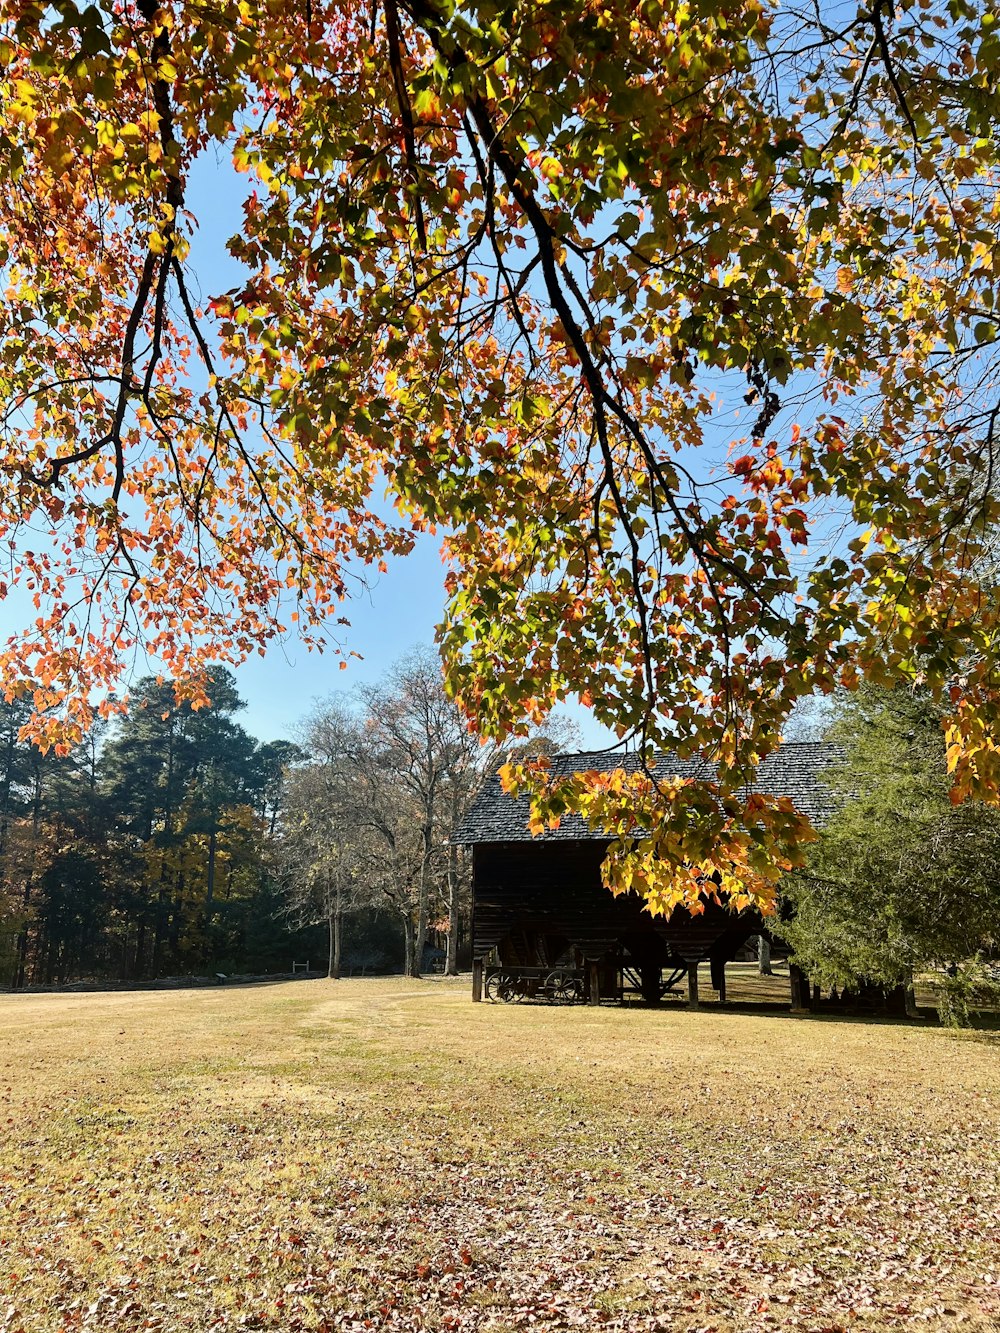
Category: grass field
[386,1155]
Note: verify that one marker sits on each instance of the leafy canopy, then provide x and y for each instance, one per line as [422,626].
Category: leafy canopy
[520,262]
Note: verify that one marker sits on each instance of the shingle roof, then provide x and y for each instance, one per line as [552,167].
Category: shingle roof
[792,771]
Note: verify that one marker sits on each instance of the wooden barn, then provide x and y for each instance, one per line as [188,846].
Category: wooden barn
[544,924]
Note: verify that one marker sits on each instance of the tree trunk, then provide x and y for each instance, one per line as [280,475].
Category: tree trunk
[159,930]
[176,920]
[420,938]
[764,956]
[422,905]
[798,984]
[334,916]
[20,967]
[139,957]
[213,843]
[126,945]
[5,788]
[338,931]
[409,964]
[909,999]
[21,974]
[451,961]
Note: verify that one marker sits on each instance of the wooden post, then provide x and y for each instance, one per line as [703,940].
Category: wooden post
[594,971]
[477,980]
[817,995]
[692,985]
[718,969]
[764,956]
[649,978]
[799,986]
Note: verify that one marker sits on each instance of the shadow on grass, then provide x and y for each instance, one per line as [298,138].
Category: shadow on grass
[165,984]
[985,1025]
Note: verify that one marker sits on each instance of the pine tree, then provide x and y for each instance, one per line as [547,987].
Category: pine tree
[901,878]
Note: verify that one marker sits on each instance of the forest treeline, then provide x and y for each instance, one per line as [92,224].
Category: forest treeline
[149,850]
[173,842]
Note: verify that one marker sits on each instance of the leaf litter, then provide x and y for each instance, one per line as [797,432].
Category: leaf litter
[384,1156]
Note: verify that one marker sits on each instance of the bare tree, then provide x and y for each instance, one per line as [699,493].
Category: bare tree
[323,859]
[356,829]
[395,770]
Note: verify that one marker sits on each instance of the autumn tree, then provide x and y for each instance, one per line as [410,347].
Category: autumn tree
[17,768]
[41,819]
[676,320]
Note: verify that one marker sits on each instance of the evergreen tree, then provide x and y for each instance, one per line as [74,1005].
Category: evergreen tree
[144,851]
[901,879]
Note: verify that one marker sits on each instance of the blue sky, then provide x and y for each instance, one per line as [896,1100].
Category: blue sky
[397,613]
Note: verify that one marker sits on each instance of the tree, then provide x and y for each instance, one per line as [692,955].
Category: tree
[366,813]
[65,883]
[437,767]
[393,772]
[188,782]
[322,854]
[901,879]
[274,759]
[514,262]
[764,956]
[150,848]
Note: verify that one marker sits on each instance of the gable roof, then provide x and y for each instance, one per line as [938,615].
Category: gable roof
[794,771]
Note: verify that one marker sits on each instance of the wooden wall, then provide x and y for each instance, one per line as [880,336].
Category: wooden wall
[530,899]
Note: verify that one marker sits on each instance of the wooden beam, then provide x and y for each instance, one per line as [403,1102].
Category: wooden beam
[798,984]
[692,985]
[718,970]
[477,980]
[594,974]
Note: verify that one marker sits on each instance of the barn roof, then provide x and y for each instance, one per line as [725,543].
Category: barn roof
[794,770]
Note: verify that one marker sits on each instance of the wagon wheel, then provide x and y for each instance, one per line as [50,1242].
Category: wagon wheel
[510,990]
[554,985]
[493,986]
[568,989]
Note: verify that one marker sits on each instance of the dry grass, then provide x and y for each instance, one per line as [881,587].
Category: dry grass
[383,1154]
